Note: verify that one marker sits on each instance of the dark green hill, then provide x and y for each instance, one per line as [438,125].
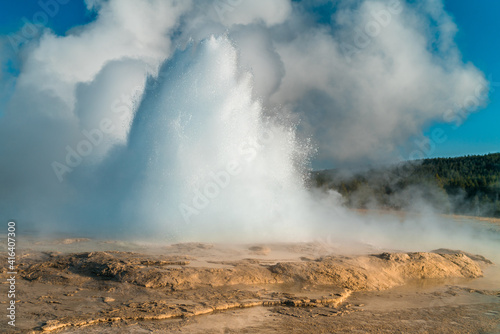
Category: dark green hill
[462,185]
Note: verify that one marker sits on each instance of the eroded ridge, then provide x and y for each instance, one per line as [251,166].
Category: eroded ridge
[100,287]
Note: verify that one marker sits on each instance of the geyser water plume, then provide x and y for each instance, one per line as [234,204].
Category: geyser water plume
[202,161]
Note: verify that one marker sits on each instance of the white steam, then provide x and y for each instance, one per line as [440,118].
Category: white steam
[192,119]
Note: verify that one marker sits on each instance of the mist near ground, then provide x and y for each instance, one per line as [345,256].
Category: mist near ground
[191,120]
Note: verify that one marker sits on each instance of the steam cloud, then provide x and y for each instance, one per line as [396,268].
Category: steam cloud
[124,123]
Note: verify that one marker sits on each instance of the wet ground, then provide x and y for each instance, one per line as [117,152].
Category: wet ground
[96,286]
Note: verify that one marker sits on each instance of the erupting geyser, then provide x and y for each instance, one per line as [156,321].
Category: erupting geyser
[119,129]
[207,158]
[202,159]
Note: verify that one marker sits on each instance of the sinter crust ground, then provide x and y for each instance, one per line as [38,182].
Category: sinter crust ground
[282,288]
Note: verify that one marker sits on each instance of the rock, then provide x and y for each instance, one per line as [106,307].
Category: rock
[259,250]
[52,325]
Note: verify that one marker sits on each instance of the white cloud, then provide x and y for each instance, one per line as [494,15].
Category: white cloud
[233,12]
[362,105]
[123,29]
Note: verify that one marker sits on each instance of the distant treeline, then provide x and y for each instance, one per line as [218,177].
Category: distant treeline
[467,185]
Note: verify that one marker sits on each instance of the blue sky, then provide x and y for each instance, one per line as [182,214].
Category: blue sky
[477,39]
[12,14]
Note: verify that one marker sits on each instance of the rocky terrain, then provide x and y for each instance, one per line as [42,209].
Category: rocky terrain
[206,288]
